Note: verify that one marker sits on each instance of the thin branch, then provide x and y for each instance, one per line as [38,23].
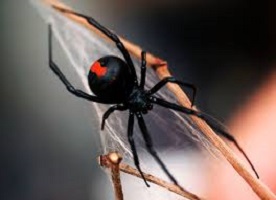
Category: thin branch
[162,71]
[111,161]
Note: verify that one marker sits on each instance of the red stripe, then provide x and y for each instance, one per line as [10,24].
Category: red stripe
[98,69]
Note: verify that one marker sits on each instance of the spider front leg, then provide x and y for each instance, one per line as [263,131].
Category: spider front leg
[62,77]
[110,111]
[210,121]
[132,146]
[151,150]
[171,79]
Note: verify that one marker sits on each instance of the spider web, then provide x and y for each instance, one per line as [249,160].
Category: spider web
[171,131]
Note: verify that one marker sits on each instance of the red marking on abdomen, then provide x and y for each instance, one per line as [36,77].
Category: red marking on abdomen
[98,69]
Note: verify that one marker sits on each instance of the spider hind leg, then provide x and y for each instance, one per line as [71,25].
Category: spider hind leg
[171,79]
[62,77]
[112,36]
[143,69]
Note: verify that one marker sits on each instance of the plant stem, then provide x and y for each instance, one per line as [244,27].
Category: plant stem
[111,161]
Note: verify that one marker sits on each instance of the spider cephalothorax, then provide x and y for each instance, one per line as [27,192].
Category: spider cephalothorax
[114,81]
[139,101]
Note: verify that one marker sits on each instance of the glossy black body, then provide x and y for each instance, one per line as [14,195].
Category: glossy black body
[116,85]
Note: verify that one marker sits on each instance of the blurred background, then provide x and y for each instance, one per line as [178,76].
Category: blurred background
[49,141]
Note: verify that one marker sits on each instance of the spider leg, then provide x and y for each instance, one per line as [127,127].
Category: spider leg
[132,146]
[151,150]
[58,72]
[215,124]
[143,69]
[171,79]
[110,111]
[109,34]
[210,120]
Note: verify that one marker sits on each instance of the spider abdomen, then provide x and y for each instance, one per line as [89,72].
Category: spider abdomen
[110,79]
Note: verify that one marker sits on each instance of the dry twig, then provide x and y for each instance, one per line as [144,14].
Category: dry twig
[112,161]
[162,71]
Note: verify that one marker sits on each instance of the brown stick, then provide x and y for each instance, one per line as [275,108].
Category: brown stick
[162,71]
[111,160]
[150,178]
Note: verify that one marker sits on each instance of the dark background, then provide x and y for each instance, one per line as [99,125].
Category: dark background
[49,142]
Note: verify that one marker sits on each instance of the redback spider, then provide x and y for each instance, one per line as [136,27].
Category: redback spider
[114,81]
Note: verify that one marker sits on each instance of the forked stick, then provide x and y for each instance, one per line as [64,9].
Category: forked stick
[113,162]
[162,71]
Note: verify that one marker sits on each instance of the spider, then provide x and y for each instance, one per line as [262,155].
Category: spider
[114,81]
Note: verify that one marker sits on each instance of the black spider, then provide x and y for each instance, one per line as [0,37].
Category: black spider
[114,81]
